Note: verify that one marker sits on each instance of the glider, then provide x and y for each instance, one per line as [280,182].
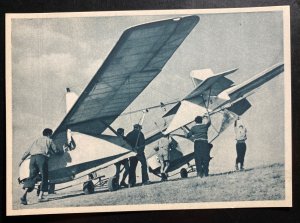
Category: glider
[137,58]
[216,95]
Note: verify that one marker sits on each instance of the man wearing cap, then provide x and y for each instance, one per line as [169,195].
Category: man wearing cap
[136,139]
[201,146]
[241,137]
[40,151]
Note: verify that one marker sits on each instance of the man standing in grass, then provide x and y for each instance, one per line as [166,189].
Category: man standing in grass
[201,146]
[163,155]
[136,139]
[241,137]
[124,163]
[39,151]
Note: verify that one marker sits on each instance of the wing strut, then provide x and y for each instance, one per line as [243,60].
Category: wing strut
[110,128]
[208,98]
[207,106]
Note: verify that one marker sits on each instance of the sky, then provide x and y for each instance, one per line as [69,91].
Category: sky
[51,54]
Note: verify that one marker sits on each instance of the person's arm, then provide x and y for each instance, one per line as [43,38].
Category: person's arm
[189,134]
[25,155]
[141,142]
[235,126]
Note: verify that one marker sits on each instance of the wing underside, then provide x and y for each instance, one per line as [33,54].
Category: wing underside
[133,63]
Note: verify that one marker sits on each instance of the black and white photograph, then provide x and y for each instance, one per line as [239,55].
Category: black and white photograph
[148,110]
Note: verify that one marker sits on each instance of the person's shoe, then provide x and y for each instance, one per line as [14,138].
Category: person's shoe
[23,200]
[200,175]
[43,199]
[130,185]
[236,167]
[50,196]
[147,182]
[123,184]
[242,168]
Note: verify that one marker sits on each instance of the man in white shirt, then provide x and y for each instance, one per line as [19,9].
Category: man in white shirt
[163,155]
[39,151]
[241,137]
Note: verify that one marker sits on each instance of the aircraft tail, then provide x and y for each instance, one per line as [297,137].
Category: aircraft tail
[255,82]
[199,75]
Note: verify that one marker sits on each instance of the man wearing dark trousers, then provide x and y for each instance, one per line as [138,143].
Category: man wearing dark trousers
[40,151]
[201,146]
[137,141]
[241,137]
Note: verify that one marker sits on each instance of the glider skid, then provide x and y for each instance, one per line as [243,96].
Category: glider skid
[184,172]
[156,172]
[99,182]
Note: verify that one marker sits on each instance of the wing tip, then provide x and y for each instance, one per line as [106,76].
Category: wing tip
[194,18]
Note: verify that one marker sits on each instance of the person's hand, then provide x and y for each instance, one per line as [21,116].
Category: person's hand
[66,147]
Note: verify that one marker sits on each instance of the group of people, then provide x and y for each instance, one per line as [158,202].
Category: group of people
[43,147]
[136,140]
[198,133]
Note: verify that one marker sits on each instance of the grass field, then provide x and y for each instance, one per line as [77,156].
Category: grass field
[261,183]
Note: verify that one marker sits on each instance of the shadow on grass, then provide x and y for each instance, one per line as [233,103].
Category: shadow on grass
[81,193]
[76,194]
[139,185]
[231,172]
[213,175]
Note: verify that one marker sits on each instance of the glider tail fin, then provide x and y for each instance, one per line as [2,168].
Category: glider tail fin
[200,75]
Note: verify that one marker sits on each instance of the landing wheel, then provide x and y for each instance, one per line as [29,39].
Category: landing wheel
[183,173]
[88,187]
[113,184]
